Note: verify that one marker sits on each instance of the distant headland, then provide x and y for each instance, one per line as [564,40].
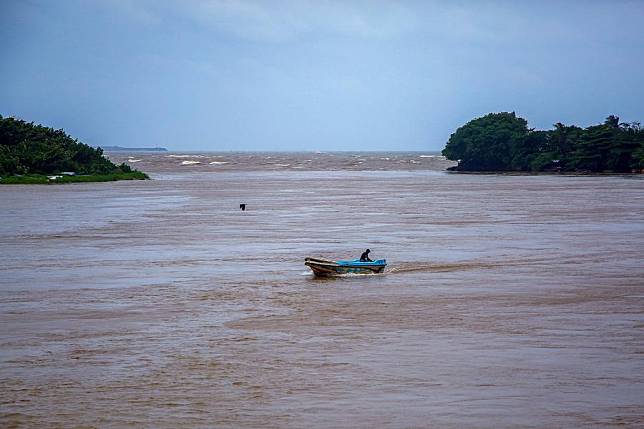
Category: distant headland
[133,149]
[503,142]
[33,154]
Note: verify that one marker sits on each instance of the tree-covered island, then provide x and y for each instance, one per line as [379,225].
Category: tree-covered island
[503,142]
[32,153]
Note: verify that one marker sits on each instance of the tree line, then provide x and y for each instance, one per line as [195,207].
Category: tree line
[503,142]
[27,148]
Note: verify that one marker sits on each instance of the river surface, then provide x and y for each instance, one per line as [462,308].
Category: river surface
[509,302]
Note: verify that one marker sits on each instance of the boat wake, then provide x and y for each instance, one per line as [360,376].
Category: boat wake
[409,267]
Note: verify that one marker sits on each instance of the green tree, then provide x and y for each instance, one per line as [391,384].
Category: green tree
[562,142]
[489,143]
[501,141]
[26,148]
[595,149]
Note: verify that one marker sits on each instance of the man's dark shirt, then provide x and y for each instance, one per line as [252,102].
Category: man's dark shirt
[365,257]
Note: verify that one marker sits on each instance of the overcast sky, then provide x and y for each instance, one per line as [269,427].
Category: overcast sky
[314,75]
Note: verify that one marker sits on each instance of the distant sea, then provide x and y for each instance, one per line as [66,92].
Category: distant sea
[283,161]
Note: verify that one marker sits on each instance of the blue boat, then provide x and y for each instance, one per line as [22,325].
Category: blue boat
[327,268]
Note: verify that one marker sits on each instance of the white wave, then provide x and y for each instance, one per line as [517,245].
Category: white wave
[282,165]
[428,156]
[133,160]
[218,162]
[185,156]
[190,162]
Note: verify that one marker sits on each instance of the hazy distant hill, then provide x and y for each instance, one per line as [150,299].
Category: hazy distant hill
[133,149]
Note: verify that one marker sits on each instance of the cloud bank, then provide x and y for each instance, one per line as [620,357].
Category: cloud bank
[291,75]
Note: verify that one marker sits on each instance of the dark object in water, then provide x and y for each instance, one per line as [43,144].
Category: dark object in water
[242,207]
[326,268]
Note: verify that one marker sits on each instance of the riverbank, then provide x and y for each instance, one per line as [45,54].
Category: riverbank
[39,179]
[36,154]
[503,142]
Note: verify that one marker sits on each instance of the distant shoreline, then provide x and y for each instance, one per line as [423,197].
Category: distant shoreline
[271,152]
[133,149]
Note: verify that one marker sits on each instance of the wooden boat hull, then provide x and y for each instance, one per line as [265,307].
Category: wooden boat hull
[327,268]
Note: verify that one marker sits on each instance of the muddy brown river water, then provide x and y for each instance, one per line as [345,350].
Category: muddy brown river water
[509,301]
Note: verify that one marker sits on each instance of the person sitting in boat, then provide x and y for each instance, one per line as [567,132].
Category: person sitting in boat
[365,256]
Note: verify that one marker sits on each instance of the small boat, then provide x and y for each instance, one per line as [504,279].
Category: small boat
[326,268]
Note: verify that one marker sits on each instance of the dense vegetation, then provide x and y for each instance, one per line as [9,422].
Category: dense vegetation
[33,151]
[503,142]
